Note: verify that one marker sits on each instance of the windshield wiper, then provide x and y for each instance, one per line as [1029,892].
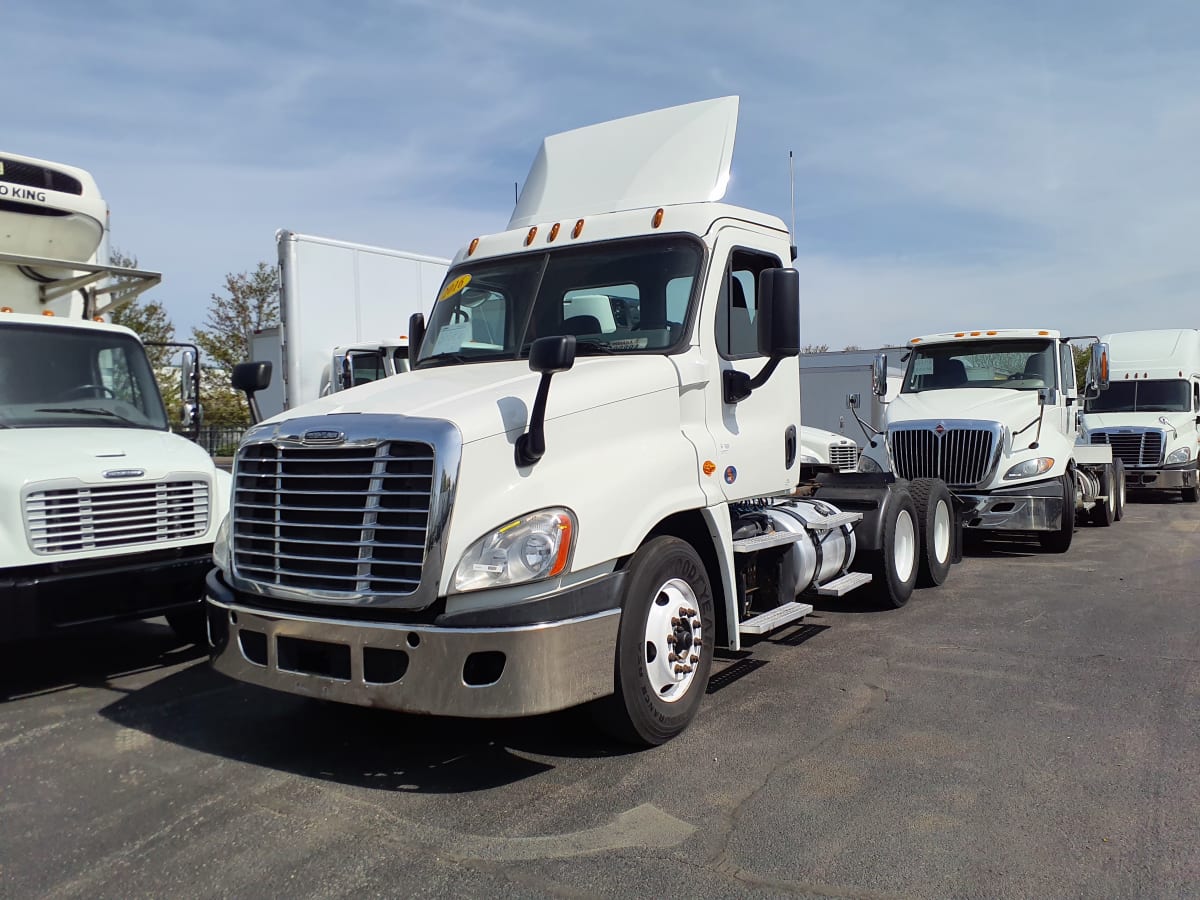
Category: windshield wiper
[456,358]
[89,411]
[593,347]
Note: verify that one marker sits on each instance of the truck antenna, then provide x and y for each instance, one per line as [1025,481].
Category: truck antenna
[516,196]
[792,191]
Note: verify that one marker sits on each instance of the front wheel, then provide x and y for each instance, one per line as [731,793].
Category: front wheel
[894,566]
[190,624]
[664,645]
[1059,541]
[1190,494]
[935,515]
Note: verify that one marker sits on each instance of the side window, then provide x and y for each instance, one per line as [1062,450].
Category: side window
[115,376]
[1196,396]
[1066,358]
[737,307]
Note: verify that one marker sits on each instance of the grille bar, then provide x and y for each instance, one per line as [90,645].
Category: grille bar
[1138,448]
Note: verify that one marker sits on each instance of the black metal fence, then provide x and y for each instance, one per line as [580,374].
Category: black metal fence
[220,440]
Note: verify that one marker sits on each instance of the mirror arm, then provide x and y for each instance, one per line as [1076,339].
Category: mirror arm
[531,446]
[737,386]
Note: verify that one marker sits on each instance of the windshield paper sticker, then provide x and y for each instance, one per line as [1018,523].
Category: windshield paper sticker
[923,366]
[451,338]
[454,287]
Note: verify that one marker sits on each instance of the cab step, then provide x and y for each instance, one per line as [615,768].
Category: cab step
[839,587]
[837,520]
[775,618]
[768,540]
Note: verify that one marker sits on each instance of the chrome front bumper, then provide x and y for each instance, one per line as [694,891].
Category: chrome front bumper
[1034,507]
[1161,479]
[470,672]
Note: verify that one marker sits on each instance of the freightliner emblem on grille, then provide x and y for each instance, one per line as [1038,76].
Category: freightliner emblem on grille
[323,437]
[124,473]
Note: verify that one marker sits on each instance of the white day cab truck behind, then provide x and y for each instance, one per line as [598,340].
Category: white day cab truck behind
[344,310]
[586,483]
[993,414]
[1150,414]
[104,513]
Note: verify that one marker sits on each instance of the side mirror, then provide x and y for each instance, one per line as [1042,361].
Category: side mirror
[188,376]
[779,313]
[548,355]
[249,378]
[1047,396]
[879,375]
[1097,374]
[416,334]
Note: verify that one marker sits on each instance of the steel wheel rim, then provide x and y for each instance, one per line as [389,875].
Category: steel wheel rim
[904,547]
[941,532]
[672,623]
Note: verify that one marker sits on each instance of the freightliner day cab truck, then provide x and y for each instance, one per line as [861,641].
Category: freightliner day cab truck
[344,310]
[1150,415]
[824,451]
[993,414]
[586,483]
[104,513]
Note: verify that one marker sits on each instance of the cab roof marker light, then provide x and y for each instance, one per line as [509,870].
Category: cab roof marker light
[553,231]
[4,309]
[658,217]
[48,312]
[993,332]
[578,229]
[1043,332]
[532,234]
[472,246]
[976,333]
[960,334]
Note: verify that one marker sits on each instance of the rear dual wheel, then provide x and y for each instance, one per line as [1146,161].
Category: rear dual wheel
[935,514]
[1104,513]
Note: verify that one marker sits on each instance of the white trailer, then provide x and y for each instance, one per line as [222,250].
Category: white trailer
[836,389]
[588,481]
[104,513]
[993,414]
[344,311]
[1150,415]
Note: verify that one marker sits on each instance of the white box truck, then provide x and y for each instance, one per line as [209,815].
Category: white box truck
[585,484]
[344,311]
[104,513]
[993,414]
[1150,414]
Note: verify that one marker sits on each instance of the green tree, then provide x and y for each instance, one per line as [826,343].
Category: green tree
[250,302]
[1083,358]
[815,348]
[149,320]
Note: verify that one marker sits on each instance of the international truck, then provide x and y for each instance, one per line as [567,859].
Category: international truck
[993,414]
[1150,415]
[104,513]
[344,309]
[587,482]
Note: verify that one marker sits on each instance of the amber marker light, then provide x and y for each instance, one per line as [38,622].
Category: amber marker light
[915,341]
[4,309]
[960,334]
[97,318]
[1043,332]
[992,332]
[564,546]
[578,229]
[709,467]
[532,234]
[553,231]
[658,217]
[976,333]
[471,246]
[47,312]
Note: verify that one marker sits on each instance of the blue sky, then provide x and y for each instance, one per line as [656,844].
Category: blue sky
[958,164]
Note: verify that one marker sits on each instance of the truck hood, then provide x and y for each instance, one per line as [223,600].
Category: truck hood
[1184,421]
[1008,407]
[486,399]
[30,455]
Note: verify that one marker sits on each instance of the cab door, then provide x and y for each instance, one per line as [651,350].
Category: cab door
[757,438]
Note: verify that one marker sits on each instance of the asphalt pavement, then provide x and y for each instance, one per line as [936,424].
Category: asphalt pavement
[1030,729]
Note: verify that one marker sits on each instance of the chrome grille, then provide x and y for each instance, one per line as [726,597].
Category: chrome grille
[69,519]
[844,458]
[342,519]
[1137,448]
[962,457]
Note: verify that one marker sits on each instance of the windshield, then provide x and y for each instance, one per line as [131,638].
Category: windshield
[1143,396]
[1016,365]
[52,376]
[618,297]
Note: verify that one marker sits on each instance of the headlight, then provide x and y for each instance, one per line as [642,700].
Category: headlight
[1182,455]
[809,459]
[221,546]
[867,464]
[1030,467]
[530,548]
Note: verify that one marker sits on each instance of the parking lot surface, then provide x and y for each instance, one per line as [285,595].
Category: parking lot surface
[1030,729]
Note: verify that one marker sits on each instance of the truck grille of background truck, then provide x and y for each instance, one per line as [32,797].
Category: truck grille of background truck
[844,458]
[66,520]
[342,519]
[961,457]
[1139,448]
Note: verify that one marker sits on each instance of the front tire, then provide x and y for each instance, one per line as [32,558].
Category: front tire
[1059,541]
[190,625]
[664,645]
[1189,494]
[935,515]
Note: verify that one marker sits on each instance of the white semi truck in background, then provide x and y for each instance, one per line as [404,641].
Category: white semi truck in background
[993,414]
[104,513]
[585,485]
[1150,414]
[344,311]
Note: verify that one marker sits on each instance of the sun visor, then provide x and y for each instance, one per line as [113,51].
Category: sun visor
[676,155]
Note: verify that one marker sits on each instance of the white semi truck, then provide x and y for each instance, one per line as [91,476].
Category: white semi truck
[824,451]
[586,483]
[993,414]
[104,513]
[344,311]
[1150,415]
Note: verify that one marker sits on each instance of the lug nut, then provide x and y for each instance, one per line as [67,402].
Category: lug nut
[675,621]
[673,657]
[684,611]
[695,659]
[679,670]
[687,670]
[697,642]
